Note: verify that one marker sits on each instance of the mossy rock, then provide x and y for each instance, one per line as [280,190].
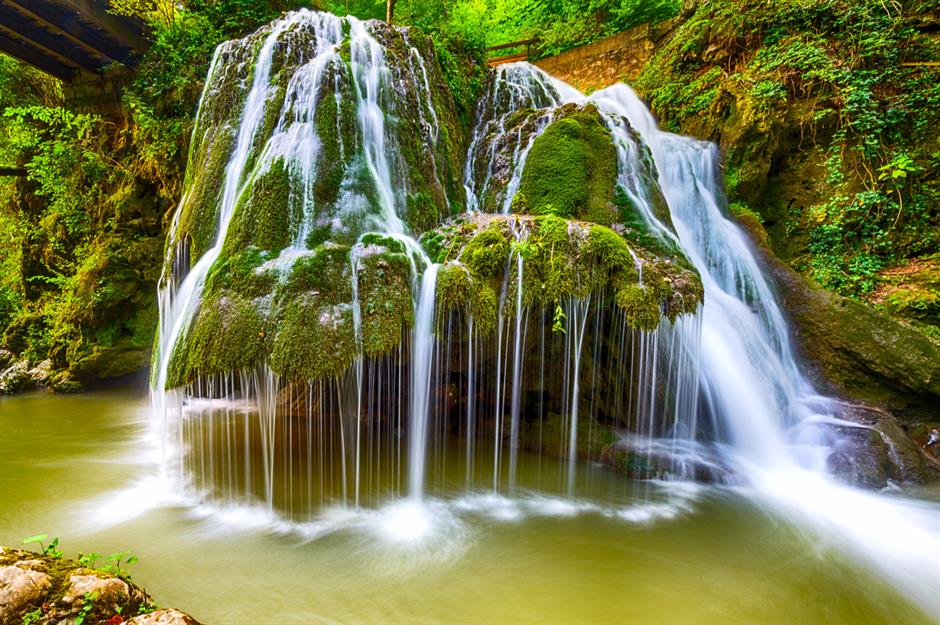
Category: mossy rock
[571,170]
[562,260]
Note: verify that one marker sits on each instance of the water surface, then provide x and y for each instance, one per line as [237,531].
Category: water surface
[83,468]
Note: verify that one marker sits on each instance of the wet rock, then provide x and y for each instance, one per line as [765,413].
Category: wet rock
[6,358]
[163,617]
[53,591]
[108,591]
[859,458]
[20,588]
[876,450]
[927,436]
[16,378]
[41,373]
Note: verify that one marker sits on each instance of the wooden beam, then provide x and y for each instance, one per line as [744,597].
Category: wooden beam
[18,27]
[70,27]
[512,58]
[921,64]
[124,30]
[36,59]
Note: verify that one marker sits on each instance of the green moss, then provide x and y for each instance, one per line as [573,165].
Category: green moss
[238,273]
[313,341]
[562,260]
[487,251]
[389,243]
[552,261]
[571,170]
[638,230]
[264,214]
[336,127]
[323,274]
[422,211]
[385,300]
[641,306]
[201,352]
[454,286]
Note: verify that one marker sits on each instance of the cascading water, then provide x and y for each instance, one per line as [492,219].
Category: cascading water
[448,406]
[751,379]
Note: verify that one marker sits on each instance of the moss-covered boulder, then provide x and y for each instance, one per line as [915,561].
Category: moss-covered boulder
[571,169]
[562,260]
[356,145]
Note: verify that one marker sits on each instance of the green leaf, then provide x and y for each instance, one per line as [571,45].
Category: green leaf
[38,538]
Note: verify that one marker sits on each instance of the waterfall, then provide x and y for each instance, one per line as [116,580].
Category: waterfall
[751,377]
[422,358]
[717,394]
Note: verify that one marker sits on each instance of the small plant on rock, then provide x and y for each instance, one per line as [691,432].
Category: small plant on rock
[51,550]
[88,604]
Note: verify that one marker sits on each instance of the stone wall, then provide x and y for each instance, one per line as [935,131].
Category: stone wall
[602,63]
[97,94]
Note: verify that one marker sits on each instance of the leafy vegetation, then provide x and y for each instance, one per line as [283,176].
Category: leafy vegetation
[827,113]
[559,24]
[50,550]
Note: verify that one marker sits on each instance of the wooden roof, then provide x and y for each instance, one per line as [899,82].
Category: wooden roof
[62,37]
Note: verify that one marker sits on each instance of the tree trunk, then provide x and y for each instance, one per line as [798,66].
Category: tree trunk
[389,10]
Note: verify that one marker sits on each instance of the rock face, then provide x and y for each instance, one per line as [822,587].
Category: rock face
[18,375]
[20,587]
[337,154]
[49,590]
[855,350]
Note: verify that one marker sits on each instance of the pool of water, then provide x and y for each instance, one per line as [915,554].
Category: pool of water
[84,468]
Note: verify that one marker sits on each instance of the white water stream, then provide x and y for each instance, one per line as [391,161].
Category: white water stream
[751,376]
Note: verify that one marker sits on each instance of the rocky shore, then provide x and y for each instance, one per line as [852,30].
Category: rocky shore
[38,589]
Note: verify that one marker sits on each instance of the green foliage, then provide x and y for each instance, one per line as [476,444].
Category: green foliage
[237,18]
[115,560]
[88,604]
[558,319]
[89,559]
[824,78]
[32,617]
[82,237]
[51,550]
[560,24]
[163,95]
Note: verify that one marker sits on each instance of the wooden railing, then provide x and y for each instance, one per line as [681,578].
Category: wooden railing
[512,58]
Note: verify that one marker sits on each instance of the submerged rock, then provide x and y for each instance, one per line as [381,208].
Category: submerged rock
[45,590]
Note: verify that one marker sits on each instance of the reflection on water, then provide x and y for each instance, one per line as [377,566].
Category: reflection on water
[621,551]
